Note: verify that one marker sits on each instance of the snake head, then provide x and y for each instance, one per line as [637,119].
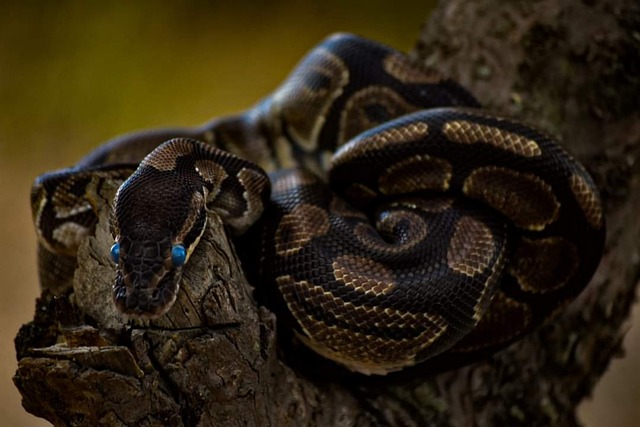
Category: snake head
[157,220]
[147,279]
[160,213]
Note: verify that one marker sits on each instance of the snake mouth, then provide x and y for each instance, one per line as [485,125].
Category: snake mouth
[146,303]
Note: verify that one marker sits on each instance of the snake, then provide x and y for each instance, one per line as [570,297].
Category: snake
[398,219]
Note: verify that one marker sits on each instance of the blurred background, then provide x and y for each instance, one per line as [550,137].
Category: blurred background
[74,74]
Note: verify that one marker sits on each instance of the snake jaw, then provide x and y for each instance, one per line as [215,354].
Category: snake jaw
[147,276]
[146,302]
[147,282]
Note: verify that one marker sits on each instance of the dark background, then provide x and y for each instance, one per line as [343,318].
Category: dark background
[73,74]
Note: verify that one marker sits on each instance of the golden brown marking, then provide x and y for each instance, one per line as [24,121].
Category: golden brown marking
[72,205]
[493,281]
[357,351]
[354,118]
[38,202]
[165,159]
[70,235]
[588,200]
[407,71]
[405,133]
[212,173]
[325,161]
[432,205]
[65,203]
[544,265]
[363,274]
[471,247]
[296,102]
[466,132]
[197,204]
[253,183]
[313,164]
[283,152]
[524,198]
[381,140]
[420,172]
[504,320]
[38,205]
[298,227]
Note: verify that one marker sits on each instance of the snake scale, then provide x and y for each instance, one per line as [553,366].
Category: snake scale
[399,220]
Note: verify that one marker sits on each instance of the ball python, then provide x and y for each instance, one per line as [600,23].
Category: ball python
[400,220]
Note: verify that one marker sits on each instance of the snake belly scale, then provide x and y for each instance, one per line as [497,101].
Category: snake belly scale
[399,220]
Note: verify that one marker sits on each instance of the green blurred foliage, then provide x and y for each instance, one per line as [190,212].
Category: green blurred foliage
[75,73]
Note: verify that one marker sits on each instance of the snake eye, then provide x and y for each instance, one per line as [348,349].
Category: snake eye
[115,252]
[178,255]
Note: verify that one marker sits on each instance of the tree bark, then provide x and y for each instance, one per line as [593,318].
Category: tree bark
[570,66]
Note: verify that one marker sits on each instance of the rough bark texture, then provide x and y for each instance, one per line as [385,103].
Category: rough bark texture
[570,66]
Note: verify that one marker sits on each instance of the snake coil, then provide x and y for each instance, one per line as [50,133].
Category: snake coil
[400,220]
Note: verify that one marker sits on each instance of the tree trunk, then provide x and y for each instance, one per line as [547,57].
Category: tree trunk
[569,66]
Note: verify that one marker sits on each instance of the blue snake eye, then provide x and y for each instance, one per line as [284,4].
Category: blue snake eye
[178,255]
[115,252]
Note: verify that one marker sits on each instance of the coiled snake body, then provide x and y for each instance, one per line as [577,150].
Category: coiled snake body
[403,220]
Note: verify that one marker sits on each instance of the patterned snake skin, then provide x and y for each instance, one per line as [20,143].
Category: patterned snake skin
[400,221]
